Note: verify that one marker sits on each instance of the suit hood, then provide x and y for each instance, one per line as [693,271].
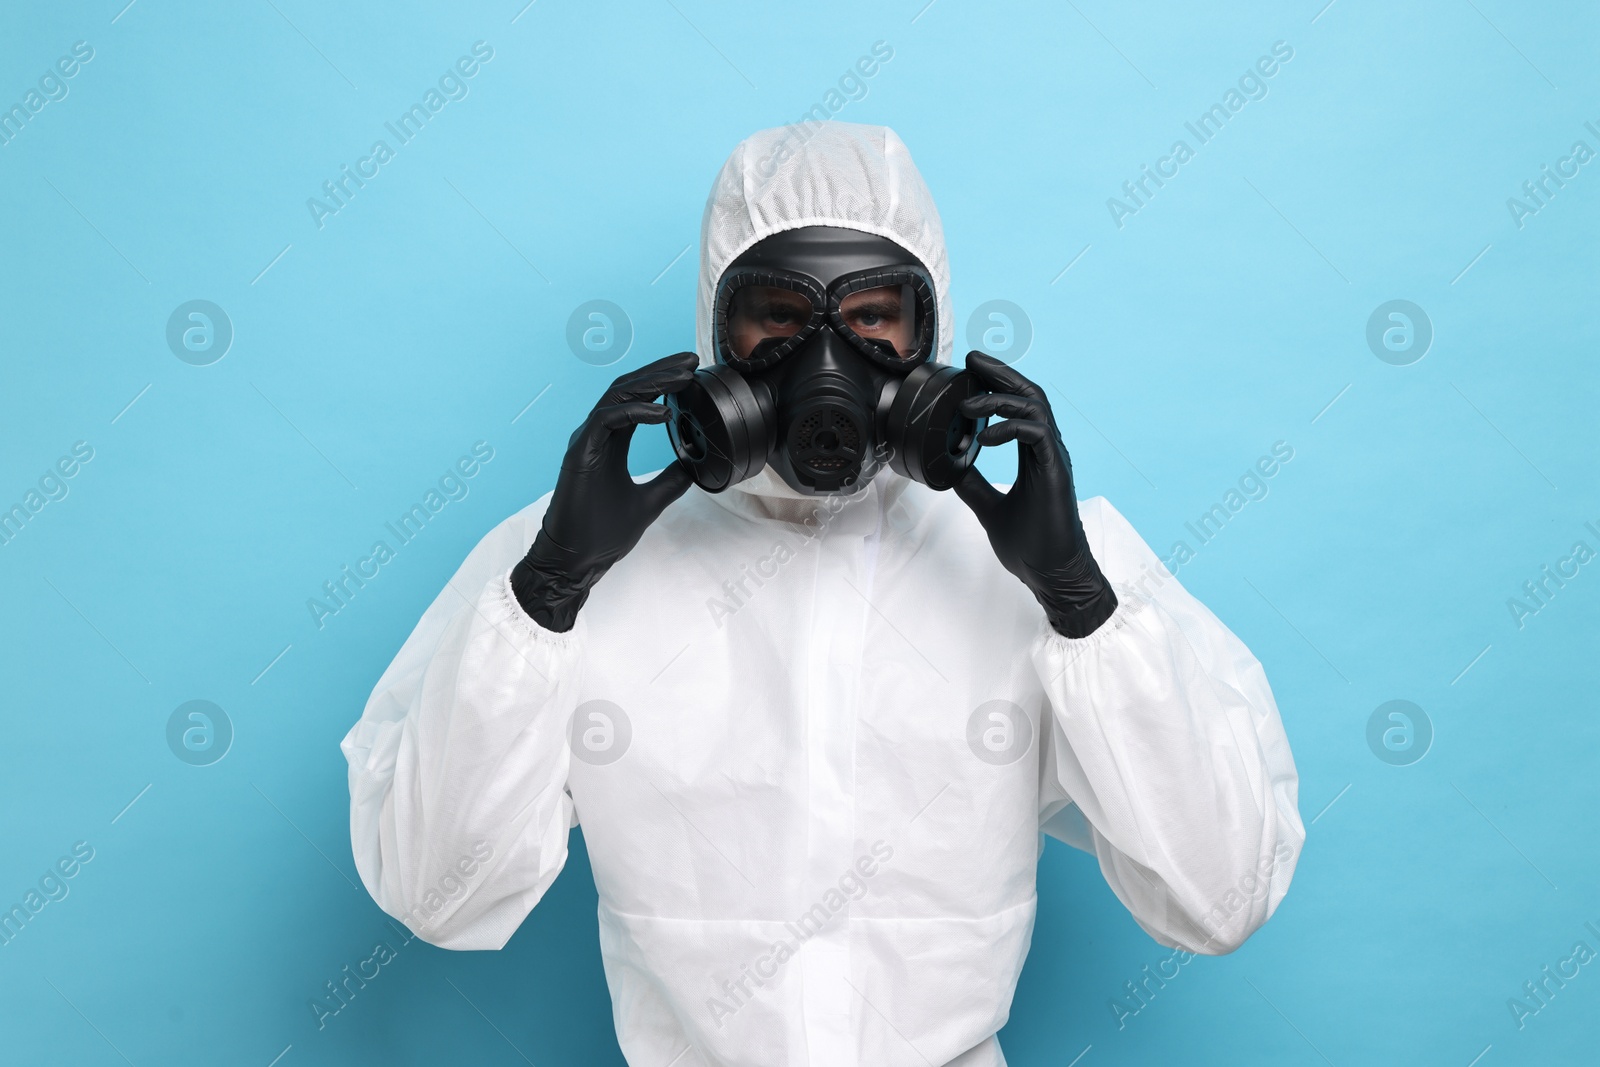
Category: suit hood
[817,174]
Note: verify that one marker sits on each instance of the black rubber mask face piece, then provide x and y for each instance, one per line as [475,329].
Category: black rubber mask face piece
[824,340]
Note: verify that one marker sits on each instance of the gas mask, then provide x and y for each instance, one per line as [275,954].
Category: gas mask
[824,339]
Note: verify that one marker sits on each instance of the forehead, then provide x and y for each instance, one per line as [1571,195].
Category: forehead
[826,253]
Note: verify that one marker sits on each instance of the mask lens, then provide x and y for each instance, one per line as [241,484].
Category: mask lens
[886,317]
[886,313]
[760,317]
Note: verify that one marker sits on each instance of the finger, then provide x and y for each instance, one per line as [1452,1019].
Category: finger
[641,386]
[666,375]
[609,422]
[1000,377]
[1006,404]
[976,492]
[672,364]
[617,416]
[1036,436]
[666,487]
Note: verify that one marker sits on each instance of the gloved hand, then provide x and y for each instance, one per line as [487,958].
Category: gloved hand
[598,512]
[1034,528]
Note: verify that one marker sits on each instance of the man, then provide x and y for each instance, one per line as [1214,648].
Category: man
[814,723]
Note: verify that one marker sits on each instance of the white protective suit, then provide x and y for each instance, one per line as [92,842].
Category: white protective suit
[816,739]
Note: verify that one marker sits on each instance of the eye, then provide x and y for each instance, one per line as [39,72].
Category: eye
[771,309]
[871,310]
[886,316]
[759,313]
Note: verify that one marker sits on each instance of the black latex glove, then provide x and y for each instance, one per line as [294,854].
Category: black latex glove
[1034,528]
[598,513]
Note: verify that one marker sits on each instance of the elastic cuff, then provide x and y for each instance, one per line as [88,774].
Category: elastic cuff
[549,596]
[1082,619]
[1127,603]
[530,626]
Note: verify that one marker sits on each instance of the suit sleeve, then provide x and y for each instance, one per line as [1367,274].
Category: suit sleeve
[459,811]
[1163,753]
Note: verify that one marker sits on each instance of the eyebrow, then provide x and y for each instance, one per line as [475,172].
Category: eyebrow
[877,303]
[766,301]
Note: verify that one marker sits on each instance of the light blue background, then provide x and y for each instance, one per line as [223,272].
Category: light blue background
[1223,317]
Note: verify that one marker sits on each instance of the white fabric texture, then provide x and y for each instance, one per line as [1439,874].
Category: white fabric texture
[813,839]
